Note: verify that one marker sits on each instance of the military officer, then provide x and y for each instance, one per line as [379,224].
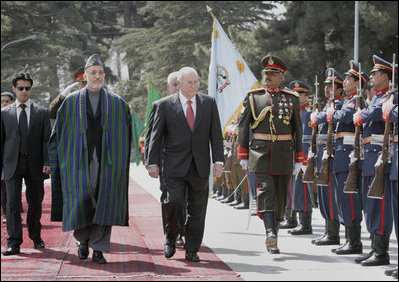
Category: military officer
[377,212]
[349,205]
[302,198]
[327,202]
[273,115]
[390,114]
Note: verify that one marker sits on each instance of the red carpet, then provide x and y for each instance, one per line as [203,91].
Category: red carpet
[136,251]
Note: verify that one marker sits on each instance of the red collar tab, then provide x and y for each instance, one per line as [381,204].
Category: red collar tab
[382,91]
[348,97]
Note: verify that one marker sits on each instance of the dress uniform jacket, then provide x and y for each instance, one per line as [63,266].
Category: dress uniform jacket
[282,122]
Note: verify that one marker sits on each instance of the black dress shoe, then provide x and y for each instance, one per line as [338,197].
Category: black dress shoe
[11,251]
[179,242]
[169,248]
[389,272]
[83,251]
[98,257]
[192,256]
[242,206]
[39,244]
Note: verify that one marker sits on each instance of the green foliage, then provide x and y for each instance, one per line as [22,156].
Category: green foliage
[161,37]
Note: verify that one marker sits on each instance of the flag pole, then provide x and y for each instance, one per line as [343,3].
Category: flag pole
[356,39]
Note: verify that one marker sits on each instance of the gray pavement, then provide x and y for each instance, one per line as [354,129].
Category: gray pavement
[245,252]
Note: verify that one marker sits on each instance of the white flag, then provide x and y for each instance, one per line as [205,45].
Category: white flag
[229,76]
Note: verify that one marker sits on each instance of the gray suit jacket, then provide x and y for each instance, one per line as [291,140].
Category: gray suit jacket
[181,145]
[38,140]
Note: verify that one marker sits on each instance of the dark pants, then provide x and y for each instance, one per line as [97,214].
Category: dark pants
[34,197]
[3,197]
[272,194]
[195,201]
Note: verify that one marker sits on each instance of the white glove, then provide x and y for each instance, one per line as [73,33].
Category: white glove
[68,89]
[325,155]
[352,157]
[297,168]
[387,103]
[310,154]
[303,167]
[244,164]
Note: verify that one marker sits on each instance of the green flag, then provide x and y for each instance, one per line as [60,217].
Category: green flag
[138,132]
[153,95]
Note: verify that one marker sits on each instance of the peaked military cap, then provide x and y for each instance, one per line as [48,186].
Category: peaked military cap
[94,60]
[330,73]
[380,64]
[273,63]
[299,86]
[354,72]
[78,74]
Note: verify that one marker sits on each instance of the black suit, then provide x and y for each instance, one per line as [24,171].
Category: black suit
[186,162]
[27,166]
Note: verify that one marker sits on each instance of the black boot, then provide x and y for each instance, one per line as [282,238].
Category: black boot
[245,202]
[395,274]
[380,256]
[354,244]
[346,241]
[332,237]
[322,236]
[290,220]
[305,224]
[269,220]
[223,193]
[389,272]
[370,254]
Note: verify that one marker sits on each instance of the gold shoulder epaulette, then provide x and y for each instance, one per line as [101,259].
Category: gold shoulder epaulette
[256,91]
[288,91]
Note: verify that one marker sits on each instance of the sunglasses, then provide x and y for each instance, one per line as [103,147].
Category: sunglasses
[27,88]
[5,101]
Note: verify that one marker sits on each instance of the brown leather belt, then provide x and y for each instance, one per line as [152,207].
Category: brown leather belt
[270,137]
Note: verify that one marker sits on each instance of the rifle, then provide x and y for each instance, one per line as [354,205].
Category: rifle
[377,187]
[352,182]
[324,175]
[309,174]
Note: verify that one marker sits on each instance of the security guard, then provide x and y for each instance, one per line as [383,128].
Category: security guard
[349,205]
[302,198]
[273,115]
[327,202]
[377,212]
[390,114]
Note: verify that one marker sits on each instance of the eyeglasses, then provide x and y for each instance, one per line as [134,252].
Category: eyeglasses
[21,88]
[5,101]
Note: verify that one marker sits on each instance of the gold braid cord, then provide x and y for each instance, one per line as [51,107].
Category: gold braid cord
[261,116]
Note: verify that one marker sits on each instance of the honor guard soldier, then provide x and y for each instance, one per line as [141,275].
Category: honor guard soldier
[377,212]
[327,203]
[302,202]
[390,114]
[349,205]
[273,115]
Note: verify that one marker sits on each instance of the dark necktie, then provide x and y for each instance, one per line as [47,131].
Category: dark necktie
[190,115]
[23,130]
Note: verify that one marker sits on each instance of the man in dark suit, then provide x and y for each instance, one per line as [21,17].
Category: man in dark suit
[188,122]
[25,132]
[173,86]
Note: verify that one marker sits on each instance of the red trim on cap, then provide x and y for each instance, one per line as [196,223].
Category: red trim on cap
[80,76]
[275,67]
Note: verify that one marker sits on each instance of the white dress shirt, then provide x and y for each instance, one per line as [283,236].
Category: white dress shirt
[183,101]
[27,109]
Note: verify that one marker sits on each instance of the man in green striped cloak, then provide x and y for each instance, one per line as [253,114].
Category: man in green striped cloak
[90,157]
